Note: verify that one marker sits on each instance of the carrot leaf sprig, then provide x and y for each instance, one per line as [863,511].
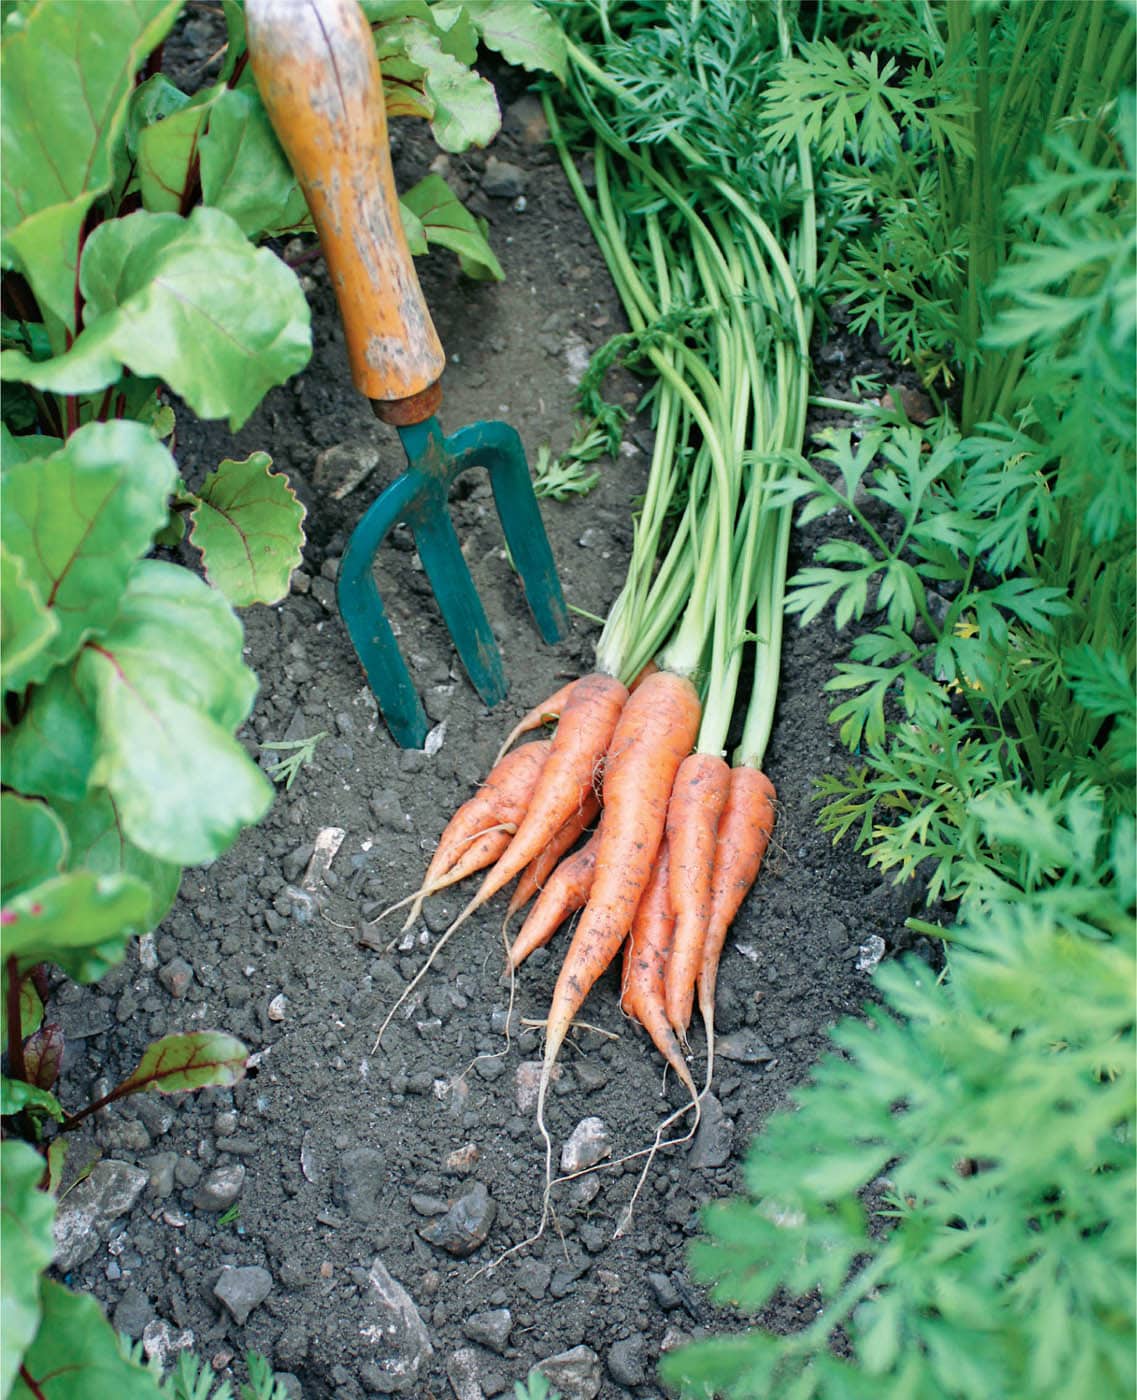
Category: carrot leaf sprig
[1006,1270]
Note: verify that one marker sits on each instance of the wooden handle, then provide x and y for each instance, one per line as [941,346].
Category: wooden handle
[315,66]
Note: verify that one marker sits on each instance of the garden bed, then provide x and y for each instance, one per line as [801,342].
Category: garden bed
[323,1169]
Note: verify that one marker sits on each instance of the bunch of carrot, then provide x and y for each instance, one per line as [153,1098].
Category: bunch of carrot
[639,743]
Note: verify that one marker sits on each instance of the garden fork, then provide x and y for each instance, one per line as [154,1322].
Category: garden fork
[315,66]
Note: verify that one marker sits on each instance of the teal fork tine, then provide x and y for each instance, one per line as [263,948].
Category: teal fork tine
[314,63]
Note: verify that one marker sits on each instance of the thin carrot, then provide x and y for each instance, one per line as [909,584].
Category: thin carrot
[745,827]
[576,750]
[567,891]
[544,713]
[575,753]
[646,953]
[655,733]
[697,799]
[536,874]
[500,802]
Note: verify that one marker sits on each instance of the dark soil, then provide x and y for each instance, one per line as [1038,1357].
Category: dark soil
[345,1145]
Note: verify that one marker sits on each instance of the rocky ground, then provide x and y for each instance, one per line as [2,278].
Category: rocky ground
[346,1208]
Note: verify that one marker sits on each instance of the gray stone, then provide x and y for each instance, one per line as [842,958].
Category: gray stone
[219,1188]
[465,1225]
[388,810]
[744,1047]
[503,180]
[400,1343]
[490,1329]
[462,1370]
[86,1211]
[161,1168]
[587,1144]
[176,977]
[715,1137]
[533,1277]
[242,1290]
[132,1312]
[524,120]
[156,1111]
[340,469]
[362,1183]
[161,1341]
[576,1373]
[666,1294]
[626,1360]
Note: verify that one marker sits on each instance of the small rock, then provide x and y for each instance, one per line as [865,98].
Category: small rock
[132,1313]
[362,1183]
[156,1111]
[278,1007]
[396,1331]
[462,1160]
[666,1294]
[744,1047]
[341,468]
[465,1225]
[160,1341]
[576,1373]
[588,1143]
[462,1371]
[161,1169]
[84,1213]
[176,977]
[503,180]
[324,592]
[870,953]
[490,1329]
[388,810]
[715,1137]
[626,1360]
[533,1277]
[524,120]
[527,1082]
[242,1290]
[219,1188]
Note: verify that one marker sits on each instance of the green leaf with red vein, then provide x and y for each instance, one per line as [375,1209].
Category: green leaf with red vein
[168,154]
[169,686]
[78,921]
[76,1354]
[522,33]
[33,844]
[98,843]
[26,1247]
[26,625]
[178,1063]
[51,750]
[447,223]
[248,526]
[64,86]
[189,301]
[78,519]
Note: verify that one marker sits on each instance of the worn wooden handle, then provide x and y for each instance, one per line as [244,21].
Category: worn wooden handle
[319,79]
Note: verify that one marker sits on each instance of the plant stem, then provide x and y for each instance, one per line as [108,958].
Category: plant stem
[17,1066]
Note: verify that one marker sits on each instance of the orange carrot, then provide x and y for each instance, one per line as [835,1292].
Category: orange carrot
[566,892]
[575,753]
[537,872]
[649,668]
[646,954]
[744,833]
[498,804]
[697,798]
[544,713]
[655,733]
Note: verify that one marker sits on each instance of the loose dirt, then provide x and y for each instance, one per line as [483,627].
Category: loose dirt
[352,1152]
